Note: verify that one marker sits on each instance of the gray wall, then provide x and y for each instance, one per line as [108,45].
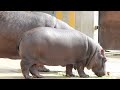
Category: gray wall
[85,22]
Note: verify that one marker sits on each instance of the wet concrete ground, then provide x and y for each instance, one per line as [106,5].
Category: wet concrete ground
[10,69]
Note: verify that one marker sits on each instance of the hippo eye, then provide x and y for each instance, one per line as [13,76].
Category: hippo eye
[100,56]
[104,59]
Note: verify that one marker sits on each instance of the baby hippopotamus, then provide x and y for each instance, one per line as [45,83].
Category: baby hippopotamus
[51,46]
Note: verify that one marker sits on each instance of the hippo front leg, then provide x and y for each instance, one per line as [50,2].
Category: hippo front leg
[69,68]
[80,69]
[25,68]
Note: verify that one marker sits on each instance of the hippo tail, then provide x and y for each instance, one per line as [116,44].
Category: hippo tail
[18,43]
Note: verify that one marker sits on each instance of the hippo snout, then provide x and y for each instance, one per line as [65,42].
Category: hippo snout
[100,74]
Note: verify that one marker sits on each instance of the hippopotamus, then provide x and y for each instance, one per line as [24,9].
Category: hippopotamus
[51,46]
[14,23]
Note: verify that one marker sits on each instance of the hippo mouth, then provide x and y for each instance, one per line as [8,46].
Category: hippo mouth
[99,74]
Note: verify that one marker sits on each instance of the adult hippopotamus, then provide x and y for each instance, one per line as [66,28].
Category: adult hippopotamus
[50,46]
[14,23]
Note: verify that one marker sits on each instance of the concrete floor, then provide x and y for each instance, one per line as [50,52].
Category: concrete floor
[10,69]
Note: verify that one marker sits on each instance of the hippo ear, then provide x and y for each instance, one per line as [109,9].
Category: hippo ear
[102,51]
[103,55]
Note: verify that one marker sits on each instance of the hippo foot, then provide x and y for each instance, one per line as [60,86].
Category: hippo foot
[70,75]
[43,69]
[28,77]
[40,76]
[84,76]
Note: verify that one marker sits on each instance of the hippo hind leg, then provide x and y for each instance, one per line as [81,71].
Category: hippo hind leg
[25,65]
[80,69]
[42,68]
[34,71]
[69,68]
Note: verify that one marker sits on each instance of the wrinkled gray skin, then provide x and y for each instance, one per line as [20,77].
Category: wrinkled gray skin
[50,46]
[14,23]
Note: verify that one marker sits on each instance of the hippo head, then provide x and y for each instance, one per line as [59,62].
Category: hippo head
[99,64]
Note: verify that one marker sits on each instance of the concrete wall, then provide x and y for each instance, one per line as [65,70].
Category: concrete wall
[85,22]
[66,16]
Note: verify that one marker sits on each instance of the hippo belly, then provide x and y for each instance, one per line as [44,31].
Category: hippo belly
[57,57]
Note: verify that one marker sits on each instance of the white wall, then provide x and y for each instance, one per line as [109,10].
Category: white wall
[85,22]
